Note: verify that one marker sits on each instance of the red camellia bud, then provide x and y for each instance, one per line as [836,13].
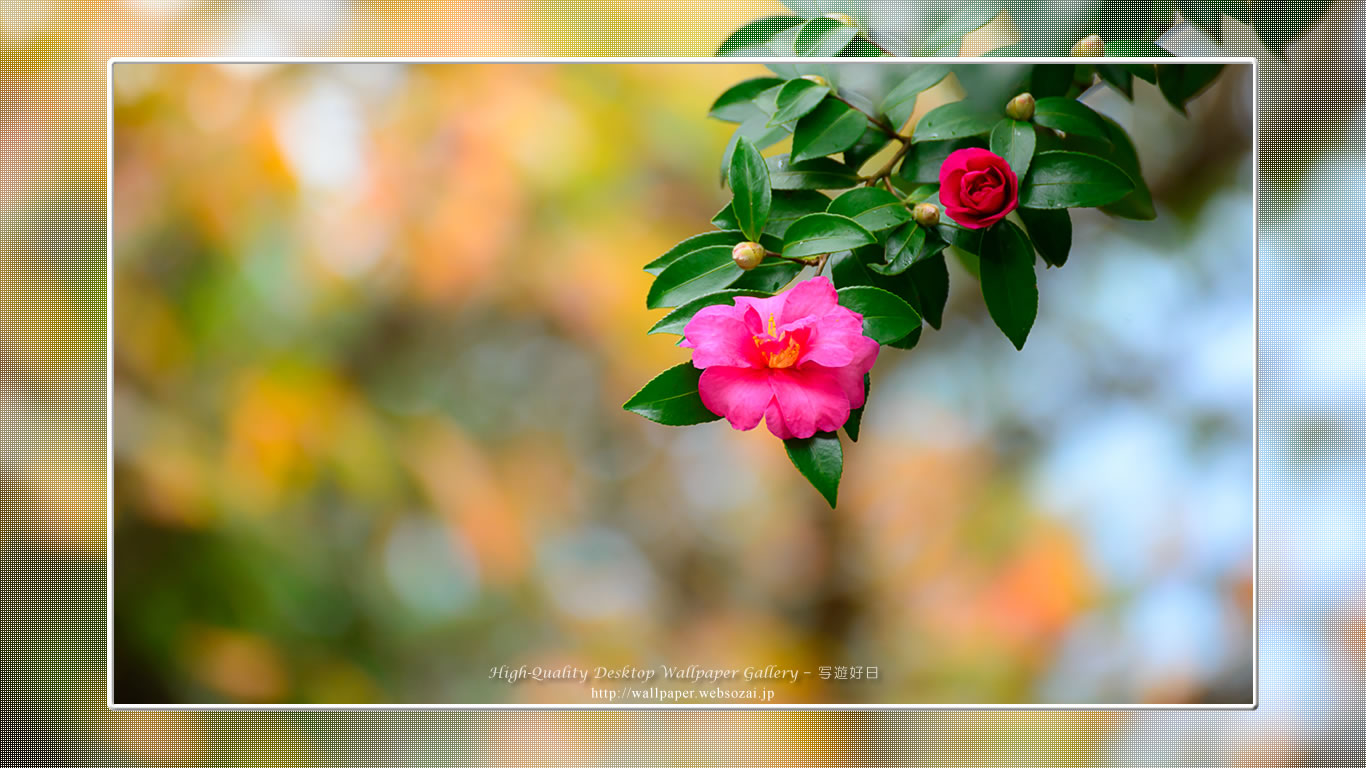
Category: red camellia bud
[747,255]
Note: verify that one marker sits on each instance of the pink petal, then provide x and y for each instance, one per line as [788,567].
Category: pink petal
[718,336]
[807,299]
[741,395]
[757,311]
[850,377]
[835,339]
[774,419]
[809,400]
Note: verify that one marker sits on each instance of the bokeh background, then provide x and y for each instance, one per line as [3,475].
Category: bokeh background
[373,324]
[51,206]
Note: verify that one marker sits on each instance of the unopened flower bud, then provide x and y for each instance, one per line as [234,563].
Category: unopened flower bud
[1091,45]
[817,79]
[842,18]
[1021,107]
[747,255]
[926,214]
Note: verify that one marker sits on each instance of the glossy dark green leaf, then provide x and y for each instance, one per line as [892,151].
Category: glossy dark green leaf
[1139,203]
[796,98]
[699,273]
[749,184]
[1277,22]
[955,120]
[1050,229]
[1008,284]
[788,205]
[1073,180]
[672,399]
[823,37]
[1180,83]
[820,460]
[900,102]
[770,277]
[873,208]
[829,128]
[1117,77]
[737,105]
[886,316]
[1069,116]
[847,269]
[1047,80]
[727,238]
[753,38]
[819,233]
[677,320]
[758,132]
[1014,140]
[851,427]
[869,144]
[921,164]
[1204,16]
[930,276]
[905,246]
[820,173]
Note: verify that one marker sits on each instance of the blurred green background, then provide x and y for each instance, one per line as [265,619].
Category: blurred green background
[373,326]
[51,208]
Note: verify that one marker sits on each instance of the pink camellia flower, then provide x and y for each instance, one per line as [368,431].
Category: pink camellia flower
[796,360]
[977,187]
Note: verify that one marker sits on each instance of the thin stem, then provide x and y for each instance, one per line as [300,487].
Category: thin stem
[886,170]
[878,123]
[809,261]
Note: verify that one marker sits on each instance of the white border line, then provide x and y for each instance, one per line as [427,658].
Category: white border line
[109,379]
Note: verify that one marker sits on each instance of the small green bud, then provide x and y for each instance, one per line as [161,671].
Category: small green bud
[1091,45]
[817,79]
[842,18]
[926,214]
[747,255]
[1021,107]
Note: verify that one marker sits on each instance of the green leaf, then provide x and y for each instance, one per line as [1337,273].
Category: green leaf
[796,98]
[1204,16]
[886,316]
[847,269]
[1277,22]
[1139,203]
[869,144]
[677,320]
[770,277]
[1051,79]
[900,102]
[905,246]
[851,427]
[1137,49]
[1117,77]
[820,460]
[1051,232]
[1180,83]
[694,243]
[1069,116]
[921,164]
[749,183]
[874,209]
[1008,283]
[947,37]
[955,120]
[823,37]
[819,173]
[819,233]
[788,205]
[672,399]
[701,272]
[737,105]
[753,38]
[1073,180]
[1014,140]
[829,128]
[930,276]
[758,132]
